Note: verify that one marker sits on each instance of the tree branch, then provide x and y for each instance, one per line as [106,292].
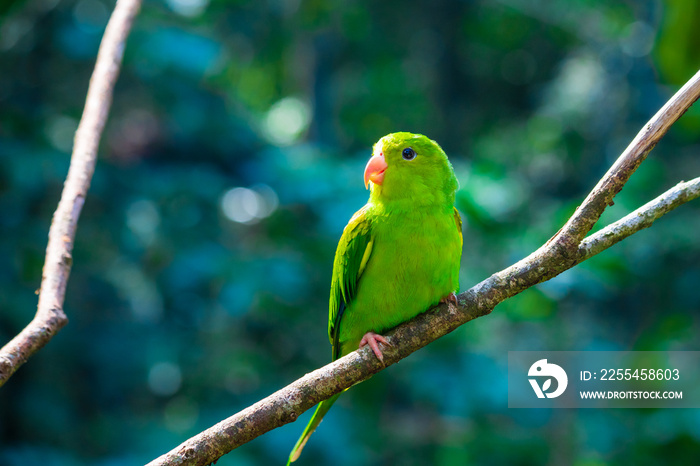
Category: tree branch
[641,218]
[612,182]
[563,251]
[50,318]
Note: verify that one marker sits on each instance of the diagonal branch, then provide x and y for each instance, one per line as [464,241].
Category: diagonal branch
[612,182]
[566,249]
[50,318]
[641,218]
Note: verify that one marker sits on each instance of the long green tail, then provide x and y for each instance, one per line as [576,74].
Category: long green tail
[316,419]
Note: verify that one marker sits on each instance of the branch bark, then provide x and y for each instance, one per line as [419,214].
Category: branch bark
[644,217]
[564,250]
[50,318]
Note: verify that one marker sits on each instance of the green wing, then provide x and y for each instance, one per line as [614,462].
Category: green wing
[455,272]
[354,250]
[458,222]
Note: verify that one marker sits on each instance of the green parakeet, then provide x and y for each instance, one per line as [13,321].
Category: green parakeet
[399,255]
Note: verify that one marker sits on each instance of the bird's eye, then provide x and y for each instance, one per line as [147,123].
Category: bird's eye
[409,154]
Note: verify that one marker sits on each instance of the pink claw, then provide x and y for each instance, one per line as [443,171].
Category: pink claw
[371,339]
[450,298]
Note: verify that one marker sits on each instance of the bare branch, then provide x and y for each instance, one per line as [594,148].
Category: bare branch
[641,218]
[607,188]
[560,253]
[50,318]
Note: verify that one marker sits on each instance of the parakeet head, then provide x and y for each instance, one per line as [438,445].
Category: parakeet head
[407,166]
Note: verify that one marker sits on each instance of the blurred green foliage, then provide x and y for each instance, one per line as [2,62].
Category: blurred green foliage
[233,158]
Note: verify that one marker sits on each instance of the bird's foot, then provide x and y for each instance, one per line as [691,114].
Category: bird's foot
[373,339]
[450,298]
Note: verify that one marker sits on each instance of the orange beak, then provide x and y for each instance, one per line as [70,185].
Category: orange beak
[374,171]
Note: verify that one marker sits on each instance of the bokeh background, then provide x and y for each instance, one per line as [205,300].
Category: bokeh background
[232,160]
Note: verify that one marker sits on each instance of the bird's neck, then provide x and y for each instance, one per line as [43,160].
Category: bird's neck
[408,205]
